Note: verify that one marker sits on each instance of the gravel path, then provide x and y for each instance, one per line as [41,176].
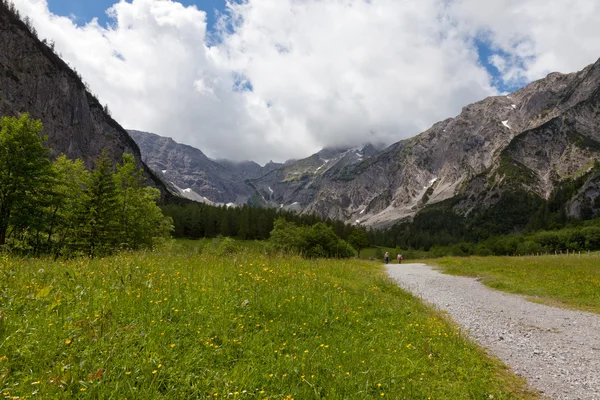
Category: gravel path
[556,350]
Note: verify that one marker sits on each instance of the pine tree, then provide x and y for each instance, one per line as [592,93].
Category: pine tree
[102,225]
[25,172]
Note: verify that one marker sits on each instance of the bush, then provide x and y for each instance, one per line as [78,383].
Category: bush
[222,246]
[529,247]
[317,241]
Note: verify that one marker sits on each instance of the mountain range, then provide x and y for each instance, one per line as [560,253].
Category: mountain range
[510,152]
[531,141]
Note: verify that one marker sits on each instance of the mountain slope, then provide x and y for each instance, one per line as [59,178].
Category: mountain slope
[34,79]
[299,182]
[529,141]
[197,176]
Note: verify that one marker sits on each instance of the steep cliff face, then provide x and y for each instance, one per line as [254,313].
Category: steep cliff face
[35,80]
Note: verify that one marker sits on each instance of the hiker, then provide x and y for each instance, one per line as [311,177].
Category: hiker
[399,258]
[387,257]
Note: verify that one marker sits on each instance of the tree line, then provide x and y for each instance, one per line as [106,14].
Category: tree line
[193,220]
[59,207]
[301,234]
[518,223]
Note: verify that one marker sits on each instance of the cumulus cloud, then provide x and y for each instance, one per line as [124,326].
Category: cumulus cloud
[533,37]
[288,77]
[355,71]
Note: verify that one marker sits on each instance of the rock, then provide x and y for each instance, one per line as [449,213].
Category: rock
[34,79]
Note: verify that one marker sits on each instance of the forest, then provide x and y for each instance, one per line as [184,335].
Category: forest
[59,207]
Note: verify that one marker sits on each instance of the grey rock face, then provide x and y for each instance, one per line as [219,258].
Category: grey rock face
[548,130]
[35,80]
[298,183]
[198,177]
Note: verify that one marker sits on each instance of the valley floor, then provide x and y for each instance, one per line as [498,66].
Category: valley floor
[556,350]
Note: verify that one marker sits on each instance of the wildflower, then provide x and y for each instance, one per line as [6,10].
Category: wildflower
[67,341]
[154,372]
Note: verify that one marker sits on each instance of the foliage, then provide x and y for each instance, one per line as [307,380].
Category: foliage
[25,173]
[570,281]
[358,239]
[62,208]
[102,224]
[142,223]
[177,324]
[195,220]
[316,241]
[67,211]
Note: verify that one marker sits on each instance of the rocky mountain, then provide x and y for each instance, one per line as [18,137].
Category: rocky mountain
[202,179]
[196,176]
[249,169]
[512,153]
[530,141]
[34,79]
[298,183]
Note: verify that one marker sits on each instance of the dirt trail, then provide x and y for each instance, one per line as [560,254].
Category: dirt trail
[556,350]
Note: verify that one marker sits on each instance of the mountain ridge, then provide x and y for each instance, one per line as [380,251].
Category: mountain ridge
[35,80]
[528,141]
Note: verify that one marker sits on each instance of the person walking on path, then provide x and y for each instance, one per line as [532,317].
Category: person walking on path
[399,258]
[387,257]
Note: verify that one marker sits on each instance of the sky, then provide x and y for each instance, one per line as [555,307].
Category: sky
[279,79]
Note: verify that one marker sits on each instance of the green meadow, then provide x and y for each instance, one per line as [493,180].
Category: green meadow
[564,281]
[194,321]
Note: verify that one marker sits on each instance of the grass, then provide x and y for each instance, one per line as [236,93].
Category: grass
[183,324]
[371,252]
[569,282]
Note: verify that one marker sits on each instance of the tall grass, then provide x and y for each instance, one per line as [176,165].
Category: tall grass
[567,281]
[180,323]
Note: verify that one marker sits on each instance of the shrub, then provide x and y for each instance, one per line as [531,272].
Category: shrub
[316,241]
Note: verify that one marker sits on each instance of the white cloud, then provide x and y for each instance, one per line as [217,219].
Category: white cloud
[354,71]
[534,37]
[322,72]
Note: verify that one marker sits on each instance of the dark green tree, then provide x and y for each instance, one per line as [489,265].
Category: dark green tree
[67,212]
[101,232]
[141,221]
[25,171]
[358,239]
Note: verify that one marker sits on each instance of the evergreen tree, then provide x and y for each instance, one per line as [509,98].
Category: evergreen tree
[141,221]
[67,212]
[25,172]
[102,225]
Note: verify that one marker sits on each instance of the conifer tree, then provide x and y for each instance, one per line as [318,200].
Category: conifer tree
[25,172]
[102,225]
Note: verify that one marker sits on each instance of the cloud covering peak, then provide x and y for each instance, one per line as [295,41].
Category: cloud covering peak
[280,79]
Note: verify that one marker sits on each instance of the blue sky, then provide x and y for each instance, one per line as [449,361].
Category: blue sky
[85,10]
